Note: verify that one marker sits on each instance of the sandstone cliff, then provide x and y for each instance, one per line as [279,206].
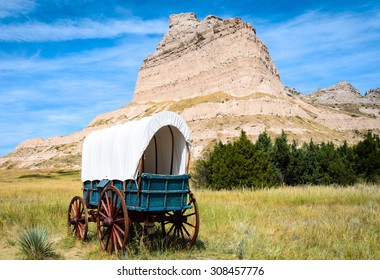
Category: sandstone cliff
[219,76]
[201,57]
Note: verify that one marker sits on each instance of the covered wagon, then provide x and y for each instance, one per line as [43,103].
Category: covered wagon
[137,174]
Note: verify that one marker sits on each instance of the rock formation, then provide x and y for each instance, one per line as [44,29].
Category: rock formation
[344,97]
[373,93]
[343,93]
[219,76]
[202,57]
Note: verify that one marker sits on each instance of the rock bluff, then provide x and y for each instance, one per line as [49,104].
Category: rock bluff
[197,58]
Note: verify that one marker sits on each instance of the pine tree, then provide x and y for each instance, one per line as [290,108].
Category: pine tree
[281,155]
[367,153]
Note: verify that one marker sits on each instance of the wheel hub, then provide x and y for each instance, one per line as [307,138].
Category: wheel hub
[108,222]
[74,221]
[178,218]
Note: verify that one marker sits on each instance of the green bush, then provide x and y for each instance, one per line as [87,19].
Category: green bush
[234,165]
[265,164]
[35,245]
[367,153]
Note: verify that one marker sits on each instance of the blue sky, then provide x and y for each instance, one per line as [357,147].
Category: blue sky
[63,62]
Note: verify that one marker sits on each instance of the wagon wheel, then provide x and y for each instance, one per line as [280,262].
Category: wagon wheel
[182,226]
[77,218]
[112,220]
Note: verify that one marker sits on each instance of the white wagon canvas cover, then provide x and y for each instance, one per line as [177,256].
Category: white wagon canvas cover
[162,142]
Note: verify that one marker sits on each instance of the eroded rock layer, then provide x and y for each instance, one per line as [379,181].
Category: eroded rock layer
[201,57]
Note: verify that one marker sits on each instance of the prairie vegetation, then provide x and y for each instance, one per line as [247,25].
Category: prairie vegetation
[268,163]
[305,222]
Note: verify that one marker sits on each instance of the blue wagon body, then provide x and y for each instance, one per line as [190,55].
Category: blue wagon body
[157,192]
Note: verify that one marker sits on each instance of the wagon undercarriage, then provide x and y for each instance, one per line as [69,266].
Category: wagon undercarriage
[115,222]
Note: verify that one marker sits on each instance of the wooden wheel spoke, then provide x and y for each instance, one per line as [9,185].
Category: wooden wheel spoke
[105,208]
[108,238]
[114,205]
[79,206]
[114,241]
[108,204]
[191,214]
[81,232]
[119,219]
[72,214]
[116,212]
[118,239]
[74,206]
[169,214]
[81,212]
[170,230]
[103,215]
[191,225]
[119,229]
[184,228]
[104,233]
[181,231]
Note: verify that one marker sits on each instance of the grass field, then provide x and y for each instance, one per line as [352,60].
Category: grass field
[285,223]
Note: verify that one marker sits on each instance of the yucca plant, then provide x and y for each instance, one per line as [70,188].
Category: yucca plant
[35,245]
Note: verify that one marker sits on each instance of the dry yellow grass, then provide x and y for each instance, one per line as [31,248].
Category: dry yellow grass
[283,223]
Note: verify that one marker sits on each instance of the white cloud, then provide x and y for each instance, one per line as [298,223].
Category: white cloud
[13,8]
[48,97]
[319,47]
[102,60]
[317,32]
[65,30]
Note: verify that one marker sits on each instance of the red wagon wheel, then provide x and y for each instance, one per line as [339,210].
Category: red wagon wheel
[112,220]
[77,218]
[182,226]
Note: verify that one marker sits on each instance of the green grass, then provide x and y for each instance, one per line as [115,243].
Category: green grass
[283,223]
